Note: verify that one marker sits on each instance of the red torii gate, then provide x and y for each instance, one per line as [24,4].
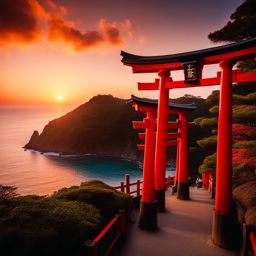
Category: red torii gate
[192,63]
[149,205]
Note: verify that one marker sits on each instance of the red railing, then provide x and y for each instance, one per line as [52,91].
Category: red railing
[253,242]
[248,241]
[126,186]
[104,242]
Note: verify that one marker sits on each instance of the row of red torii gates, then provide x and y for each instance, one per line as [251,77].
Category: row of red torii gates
[154,169]
[154,180]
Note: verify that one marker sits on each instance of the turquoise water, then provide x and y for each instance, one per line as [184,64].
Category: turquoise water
[34,173]
[106,168]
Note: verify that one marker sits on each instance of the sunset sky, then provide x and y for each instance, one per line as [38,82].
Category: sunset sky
[69,51]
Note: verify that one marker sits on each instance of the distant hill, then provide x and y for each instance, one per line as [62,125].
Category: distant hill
[103,125]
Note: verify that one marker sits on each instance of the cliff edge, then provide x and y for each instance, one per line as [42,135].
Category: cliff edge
[103,125]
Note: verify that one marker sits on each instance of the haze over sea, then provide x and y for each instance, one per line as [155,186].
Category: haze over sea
[34,173]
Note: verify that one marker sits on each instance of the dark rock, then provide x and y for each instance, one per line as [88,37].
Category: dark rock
[33,141]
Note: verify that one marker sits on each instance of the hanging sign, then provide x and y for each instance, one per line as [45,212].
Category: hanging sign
[191,72]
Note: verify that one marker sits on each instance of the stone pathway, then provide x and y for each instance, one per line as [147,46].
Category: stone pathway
[185,229]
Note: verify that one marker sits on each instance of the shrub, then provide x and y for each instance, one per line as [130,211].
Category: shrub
[244,158]
[243,132]
[33,225]
[250,217]
[57,225]
[100,195]
[208,141]
[209,164]
[208,122]
[243,177]
[7,192]
[245,194]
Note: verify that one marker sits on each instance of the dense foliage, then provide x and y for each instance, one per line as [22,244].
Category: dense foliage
[98,194]
[242,26]
[196,154]
[59,224]
[244,129]
[244,194]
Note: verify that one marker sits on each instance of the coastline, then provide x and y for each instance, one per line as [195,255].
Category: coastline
[170,166]
[134,160]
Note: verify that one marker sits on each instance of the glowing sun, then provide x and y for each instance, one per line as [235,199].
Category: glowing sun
[59,98]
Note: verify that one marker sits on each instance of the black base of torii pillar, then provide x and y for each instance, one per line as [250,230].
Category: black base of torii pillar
[183,191]
[225,231]
[183,184]
[160,197]
[148,216]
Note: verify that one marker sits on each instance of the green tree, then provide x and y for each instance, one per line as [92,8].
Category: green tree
[242,25]
[244,129]
[208,143]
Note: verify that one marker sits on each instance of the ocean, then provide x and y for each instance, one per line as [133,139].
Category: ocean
[35,173]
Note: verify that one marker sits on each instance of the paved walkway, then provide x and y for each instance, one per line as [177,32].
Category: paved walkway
[185,229]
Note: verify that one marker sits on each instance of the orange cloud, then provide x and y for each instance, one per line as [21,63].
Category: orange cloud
[18,21]
[111,32]
[24,21]
[59,30]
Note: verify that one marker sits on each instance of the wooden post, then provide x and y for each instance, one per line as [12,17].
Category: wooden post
[138,187]
[91,248]
[127,183]
[122,186]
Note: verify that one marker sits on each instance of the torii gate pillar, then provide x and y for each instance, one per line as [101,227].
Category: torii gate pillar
[183,185]
[148,204]
[161,139]
[223,222]
[176,179]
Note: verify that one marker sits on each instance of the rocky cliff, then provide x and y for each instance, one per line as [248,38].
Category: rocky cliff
[103,125]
